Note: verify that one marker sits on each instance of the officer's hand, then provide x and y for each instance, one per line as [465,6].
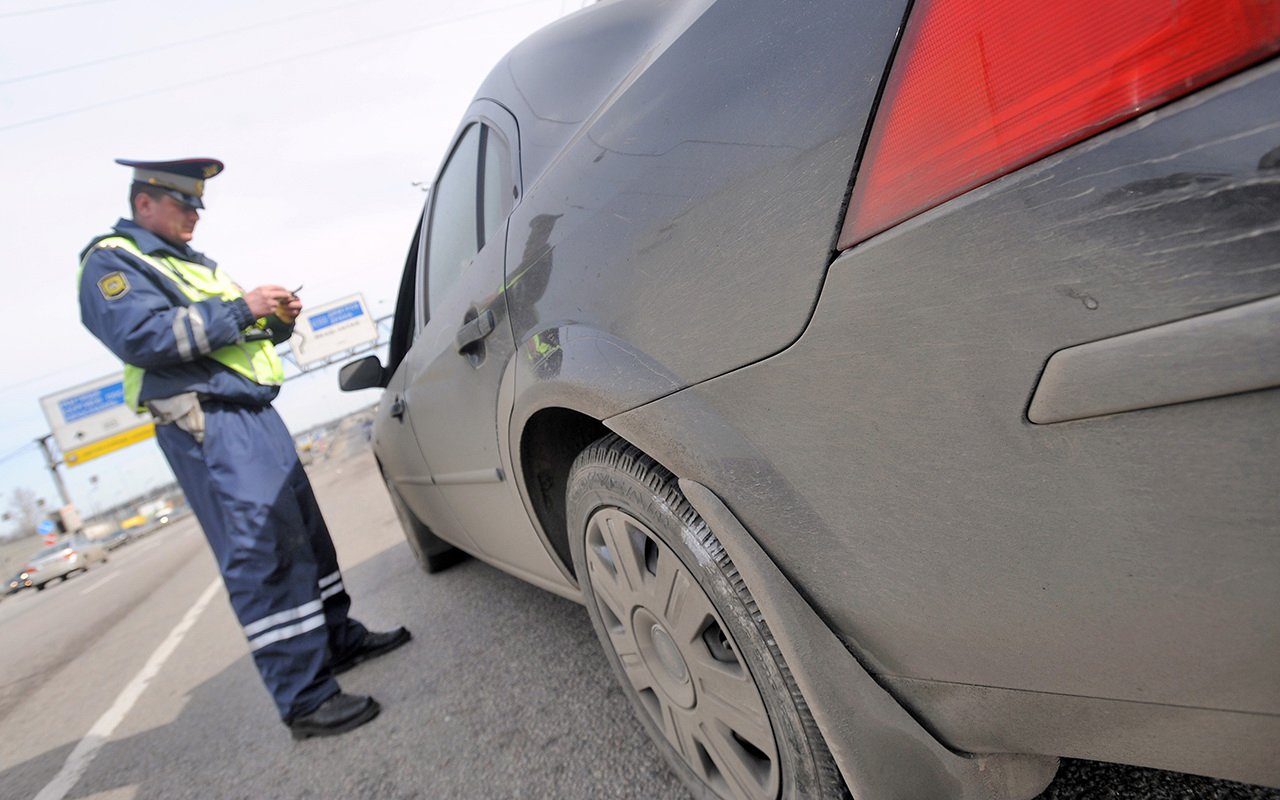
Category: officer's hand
[264,299]
[288,310]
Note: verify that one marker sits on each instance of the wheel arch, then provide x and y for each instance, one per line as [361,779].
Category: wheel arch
[549,442]
[561,385]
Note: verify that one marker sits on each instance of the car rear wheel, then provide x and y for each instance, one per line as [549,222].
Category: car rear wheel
[685,637]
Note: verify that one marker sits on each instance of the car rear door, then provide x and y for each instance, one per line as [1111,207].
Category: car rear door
[461,355]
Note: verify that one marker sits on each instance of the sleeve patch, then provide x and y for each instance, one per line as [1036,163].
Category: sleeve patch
[113,285]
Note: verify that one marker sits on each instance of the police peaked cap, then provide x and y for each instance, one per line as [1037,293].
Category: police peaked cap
[183,180]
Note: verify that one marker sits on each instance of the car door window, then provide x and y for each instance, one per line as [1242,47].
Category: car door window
[403,328]
[499,189]
[472,198]
[454,233]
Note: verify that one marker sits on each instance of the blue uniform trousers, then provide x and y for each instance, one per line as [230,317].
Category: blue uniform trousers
[254,501]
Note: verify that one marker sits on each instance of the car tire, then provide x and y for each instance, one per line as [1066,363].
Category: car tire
[685,637]
[432,553]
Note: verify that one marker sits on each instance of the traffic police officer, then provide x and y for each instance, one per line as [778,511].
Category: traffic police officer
[200,354]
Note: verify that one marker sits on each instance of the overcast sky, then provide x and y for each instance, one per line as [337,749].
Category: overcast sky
[324,113]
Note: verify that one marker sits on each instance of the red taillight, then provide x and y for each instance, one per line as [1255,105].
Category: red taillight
[982,87]
[70,554]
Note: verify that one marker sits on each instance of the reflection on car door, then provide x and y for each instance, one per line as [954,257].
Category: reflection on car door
[461,355]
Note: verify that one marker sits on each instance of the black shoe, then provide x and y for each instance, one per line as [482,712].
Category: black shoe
[338,714]
[372,646]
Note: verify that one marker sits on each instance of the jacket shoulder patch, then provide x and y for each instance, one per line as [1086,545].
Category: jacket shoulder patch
[113,285]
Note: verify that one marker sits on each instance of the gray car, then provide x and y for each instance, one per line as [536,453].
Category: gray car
[895,386]
[75,554]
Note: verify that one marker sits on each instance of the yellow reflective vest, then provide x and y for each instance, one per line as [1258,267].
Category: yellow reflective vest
[255,360]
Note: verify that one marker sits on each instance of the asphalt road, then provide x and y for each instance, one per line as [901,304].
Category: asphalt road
[502,693]
[119,684]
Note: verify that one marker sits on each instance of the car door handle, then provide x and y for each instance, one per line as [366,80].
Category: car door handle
[398,407]
[474,332]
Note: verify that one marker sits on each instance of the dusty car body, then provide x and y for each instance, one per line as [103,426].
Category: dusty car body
[75,554]
[984,482]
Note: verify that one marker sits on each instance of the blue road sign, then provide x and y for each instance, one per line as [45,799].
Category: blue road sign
[92,402]
[333,316]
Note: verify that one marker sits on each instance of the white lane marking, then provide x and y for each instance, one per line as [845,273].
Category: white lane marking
[88,589]
[93,741]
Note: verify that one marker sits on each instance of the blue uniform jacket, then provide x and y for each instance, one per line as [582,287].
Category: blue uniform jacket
[137,323]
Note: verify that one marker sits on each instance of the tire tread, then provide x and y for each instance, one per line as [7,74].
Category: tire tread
[615,452]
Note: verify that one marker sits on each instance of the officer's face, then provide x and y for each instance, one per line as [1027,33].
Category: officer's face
[167,218]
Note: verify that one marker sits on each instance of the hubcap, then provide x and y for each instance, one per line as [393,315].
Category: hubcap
[662,658]
[680,659]
[668,654]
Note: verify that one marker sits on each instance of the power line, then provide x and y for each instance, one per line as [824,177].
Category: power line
[12,454]
[31,11]
[9,387]
[263,65]
[182,42]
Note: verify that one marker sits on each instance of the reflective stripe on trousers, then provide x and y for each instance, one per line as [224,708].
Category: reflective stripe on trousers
[255,504]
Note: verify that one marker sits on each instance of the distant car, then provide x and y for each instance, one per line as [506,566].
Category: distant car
[76,554]
[895,383]
[116,538]
[20,581]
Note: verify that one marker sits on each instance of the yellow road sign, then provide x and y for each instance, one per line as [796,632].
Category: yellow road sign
[118,441]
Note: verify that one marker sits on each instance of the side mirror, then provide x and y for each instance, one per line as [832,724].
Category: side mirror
[367,373]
